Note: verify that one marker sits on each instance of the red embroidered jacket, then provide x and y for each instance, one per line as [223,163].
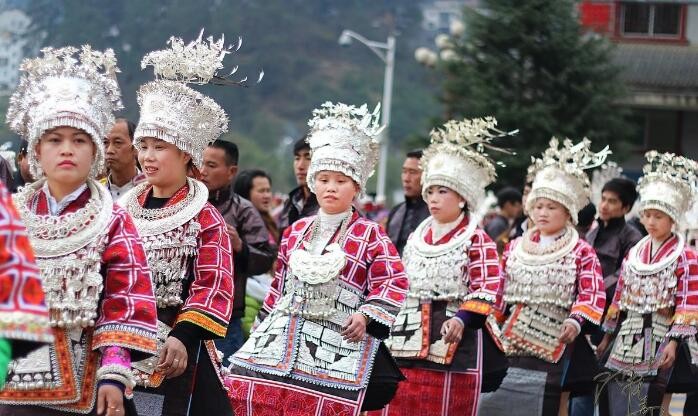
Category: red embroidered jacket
[483,273]
[685,312]
[209,303]
[23,311]
[590,295]
[373,267]
[126,318]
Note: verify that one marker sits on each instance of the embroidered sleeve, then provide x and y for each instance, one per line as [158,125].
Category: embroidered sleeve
[277,285]
[115,366]
[612,318]
[686,301]
[210,301]
[23,311]
[386,278]
[127,314]
[484,275]
[591,297]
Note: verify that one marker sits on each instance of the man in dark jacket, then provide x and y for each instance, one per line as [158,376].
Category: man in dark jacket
[253,252]
[301,202]
[506,225]
[406,216]
[614,237]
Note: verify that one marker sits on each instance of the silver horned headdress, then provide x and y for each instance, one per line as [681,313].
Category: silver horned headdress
[344,138]
[600,177]
[170,109]
[559,174]
[456,158]
[668,184]
[66,87]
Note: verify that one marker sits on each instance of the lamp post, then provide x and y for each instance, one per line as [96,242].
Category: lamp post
[386,52]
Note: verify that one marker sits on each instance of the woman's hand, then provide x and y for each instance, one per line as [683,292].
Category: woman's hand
[668,357]
[452,331]
[603,345]
[173,358]
[110,401]
[568,333]
[355,327]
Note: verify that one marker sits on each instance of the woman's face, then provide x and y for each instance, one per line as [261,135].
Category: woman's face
[657,223]
[444,203]
[163,163]
[66,155]
[260,194]
[335,191]
[549,216]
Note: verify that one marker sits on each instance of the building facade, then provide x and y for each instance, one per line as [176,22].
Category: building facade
[657,52]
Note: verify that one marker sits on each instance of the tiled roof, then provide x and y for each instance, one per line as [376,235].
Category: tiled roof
[657,65]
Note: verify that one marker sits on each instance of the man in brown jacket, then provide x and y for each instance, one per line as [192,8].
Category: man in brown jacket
[252,250]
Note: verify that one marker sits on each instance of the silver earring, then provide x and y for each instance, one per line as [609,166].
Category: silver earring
[461,205]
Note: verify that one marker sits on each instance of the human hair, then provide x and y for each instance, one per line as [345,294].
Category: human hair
[415,153]
[22,149]
[586,215]
[130,126]
[301,145]
[231,151]
[625,189]
[245,180]
[508,194]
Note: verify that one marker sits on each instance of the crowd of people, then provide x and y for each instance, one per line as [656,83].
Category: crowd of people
[143,274]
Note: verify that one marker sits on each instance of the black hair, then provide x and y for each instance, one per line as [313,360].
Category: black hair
[415,153]
[231,151]
[508,194]
[130,126]
[22,149]
[300,145]
[586,215]
[245,180]
[625,189]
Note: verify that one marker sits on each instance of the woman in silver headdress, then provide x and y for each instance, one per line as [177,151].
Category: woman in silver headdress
[651,324]
[553,289]
[91,259]
[184,236]
[337,290]
[453,268]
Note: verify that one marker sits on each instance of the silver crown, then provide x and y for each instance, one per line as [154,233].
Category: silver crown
[66,87]
[600,177]
[456,158]
[344,138]
[170,109]
[668,184]
[559,174]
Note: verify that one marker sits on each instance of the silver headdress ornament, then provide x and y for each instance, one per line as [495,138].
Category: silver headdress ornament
[344,138]
[62,89]
[600,177]
[559,174]
[174,112]
[456,158]
[668,184]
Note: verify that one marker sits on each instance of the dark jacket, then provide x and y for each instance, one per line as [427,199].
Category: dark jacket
[404,219]
[257,254]
[295,208]
[612,243]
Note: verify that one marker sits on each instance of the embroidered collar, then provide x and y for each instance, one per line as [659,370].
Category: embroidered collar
[56,207]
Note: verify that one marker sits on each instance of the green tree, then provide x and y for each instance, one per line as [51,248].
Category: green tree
[532,66]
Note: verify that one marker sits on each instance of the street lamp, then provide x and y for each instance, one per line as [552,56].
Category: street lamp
[386,52]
